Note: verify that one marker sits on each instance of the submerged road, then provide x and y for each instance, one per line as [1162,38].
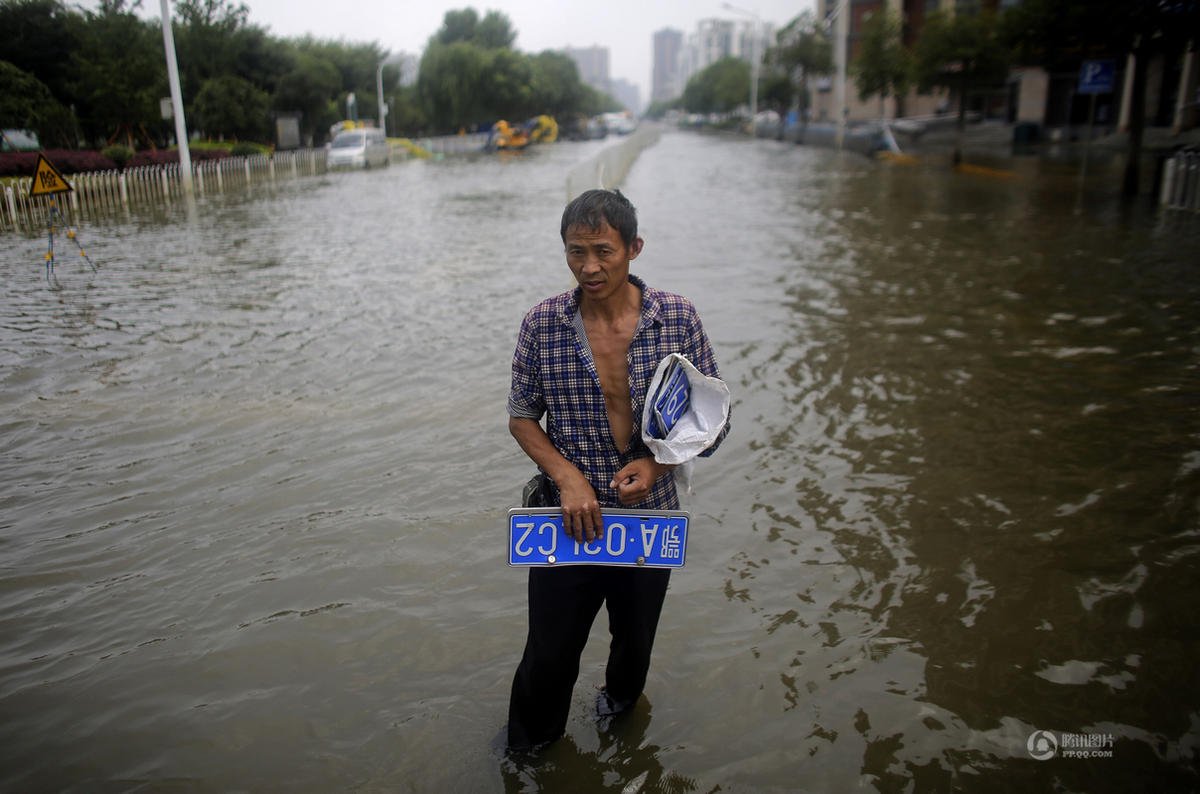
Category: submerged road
[256,470]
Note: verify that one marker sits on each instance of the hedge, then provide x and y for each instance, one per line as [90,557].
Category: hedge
[71,161]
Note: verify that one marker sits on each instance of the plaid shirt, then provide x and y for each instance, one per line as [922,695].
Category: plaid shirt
[553,373]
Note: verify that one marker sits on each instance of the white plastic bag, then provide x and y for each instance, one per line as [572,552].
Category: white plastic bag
[699,427]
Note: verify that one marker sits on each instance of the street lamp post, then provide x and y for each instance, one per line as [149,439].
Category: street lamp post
[755,57]
[185,156]
[841,28]
[383,109]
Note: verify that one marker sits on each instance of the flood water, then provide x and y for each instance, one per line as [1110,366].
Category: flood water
[255,474]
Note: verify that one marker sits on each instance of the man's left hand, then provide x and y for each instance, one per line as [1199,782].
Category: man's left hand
[634,481]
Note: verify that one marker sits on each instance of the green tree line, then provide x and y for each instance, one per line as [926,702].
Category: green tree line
[86,78]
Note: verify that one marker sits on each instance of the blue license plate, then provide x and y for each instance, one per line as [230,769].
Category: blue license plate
[637,538]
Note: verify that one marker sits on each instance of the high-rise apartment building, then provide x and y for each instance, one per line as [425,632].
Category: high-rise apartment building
[665,83]
[712,41]
[592,63]
[715,39]
[627,94]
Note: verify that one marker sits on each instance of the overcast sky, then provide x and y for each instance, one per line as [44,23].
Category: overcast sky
[624,26]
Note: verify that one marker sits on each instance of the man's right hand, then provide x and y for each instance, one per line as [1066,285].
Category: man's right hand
[580,509]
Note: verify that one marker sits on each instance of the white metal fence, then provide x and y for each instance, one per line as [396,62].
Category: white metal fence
[99,193]
[1181,182]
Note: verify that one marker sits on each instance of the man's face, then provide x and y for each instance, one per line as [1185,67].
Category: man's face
[599,259]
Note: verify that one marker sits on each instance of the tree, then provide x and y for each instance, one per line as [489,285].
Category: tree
[494,31]
[27,104]
[883,67]
[356,66]
[555,86]
[505,87]
[310,87]
[37,37]
[230,107]
[802,49]
[119,76]
[450,85]
[207,38]
[962,52]
[214,40]
[659,108]
[457,26]
[260,58]
[594,102]
[775,91]
[405,111]
[471,76]
[719,88]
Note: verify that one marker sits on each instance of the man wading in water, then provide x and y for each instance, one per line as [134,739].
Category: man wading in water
[584,359]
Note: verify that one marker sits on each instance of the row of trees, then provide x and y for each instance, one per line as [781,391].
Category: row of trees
[470,75]
[962,53]
[80,77]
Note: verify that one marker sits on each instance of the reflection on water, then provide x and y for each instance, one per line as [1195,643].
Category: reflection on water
[255,469]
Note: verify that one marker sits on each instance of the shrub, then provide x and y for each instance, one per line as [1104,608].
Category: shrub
[209,146]
[154,157]
[247,149]
[167,156]
[208,154]
[70,161]
[118,153]
[65,160]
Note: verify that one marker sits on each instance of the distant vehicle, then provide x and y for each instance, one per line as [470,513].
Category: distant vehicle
[359,148]
[542,129]
[621,123]
[597,128]
[575,127]
[505,137]
[19,141]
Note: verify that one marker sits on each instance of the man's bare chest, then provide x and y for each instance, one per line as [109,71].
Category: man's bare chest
[610,353]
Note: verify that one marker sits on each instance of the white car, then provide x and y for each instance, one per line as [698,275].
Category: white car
[620,123]
[361,148]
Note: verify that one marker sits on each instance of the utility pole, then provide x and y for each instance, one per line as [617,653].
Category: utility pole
[841,31]
[755,58]
[181,139]
[383,108]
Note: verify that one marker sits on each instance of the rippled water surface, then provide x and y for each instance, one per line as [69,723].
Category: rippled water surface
[255,472]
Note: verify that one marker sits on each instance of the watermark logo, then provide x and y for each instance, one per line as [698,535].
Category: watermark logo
[1042,745]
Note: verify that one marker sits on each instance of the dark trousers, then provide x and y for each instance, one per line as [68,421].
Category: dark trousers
[563,602]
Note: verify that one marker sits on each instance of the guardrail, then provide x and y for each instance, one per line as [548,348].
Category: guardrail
[98,193]
[610,166]
[1181,182]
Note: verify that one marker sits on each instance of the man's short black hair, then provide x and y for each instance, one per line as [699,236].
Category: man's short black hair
[592,208]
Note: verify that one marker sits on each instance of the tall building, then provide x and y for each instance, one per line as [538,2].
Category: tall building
[665,84]
[715,39]
[592,63]
[712,41]
[627,93]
